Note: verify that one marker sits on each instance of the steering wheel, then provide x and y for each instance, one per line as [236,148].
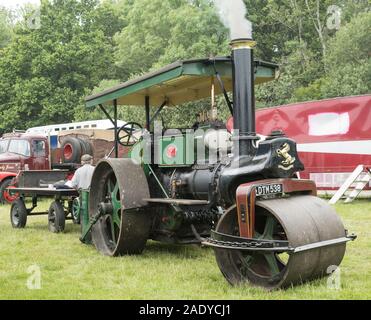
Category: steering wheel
[125,135]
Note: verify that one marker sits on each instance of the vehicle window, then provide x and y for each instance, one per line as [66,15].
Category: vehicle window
[93,125]
[38,147]
[21,147]
[3,145]
[78,127]
[56,129]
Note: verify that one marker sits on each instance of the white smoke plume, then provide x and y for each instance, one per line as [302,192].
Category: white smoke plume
[233,15]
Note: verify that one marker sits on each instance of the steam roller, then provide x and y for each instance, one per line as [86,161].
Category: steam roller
[241,195]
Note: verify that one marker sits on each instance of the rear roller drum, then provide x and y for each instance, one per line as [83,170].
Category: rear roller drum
[300,220]
[118,187]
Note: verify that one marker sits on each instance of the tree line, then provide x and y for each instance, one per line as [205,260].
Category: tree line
[54,55]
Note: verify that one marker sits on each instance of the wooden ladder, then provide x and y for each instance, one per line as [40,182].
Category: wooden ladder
[357,177]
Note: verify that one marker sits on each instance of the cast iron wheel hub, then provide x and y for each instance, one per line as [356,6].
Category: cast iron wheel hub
[105,208]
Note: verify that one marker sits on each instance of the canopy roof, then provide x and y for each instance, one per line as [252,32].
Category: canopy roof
[182,81]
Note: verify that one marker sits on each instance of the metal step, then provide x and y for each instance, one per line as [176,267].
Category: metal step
[184,202]
[358,189]
[346,185]
[354,178]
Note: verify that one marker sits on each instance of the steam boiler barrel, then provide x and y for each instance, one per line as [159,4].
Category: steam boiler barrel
[196,183]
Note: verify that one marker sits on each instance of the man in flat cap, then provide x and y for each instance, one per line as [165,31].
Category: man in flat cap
[82,177]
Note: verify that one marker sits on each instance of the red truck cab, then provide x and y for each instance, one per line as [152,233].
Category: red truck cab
[21,151]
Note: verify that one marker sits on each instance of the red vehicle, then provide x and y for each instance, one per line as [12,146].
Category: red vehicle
[333,135]
[31,155]
[20,151]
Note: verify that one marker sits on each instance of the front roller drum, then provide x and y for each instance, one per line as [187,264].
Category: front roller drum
[300,220]
[116,193]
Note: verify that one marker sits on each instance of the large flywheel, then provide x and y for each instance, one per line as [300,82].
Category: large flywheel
[299,220]
[116,196]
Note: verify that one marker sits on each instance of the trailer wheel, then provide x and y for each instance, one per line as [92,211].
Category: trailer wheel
[56,217]
[71,150]
[18,214]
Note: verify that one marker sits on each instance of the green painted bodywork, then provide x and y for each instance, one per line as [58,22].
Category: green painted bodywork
[184,151]
[84,216]
[186,143]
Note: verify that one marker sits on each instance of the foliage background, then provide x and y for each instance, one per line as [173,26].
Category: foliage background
[85,46]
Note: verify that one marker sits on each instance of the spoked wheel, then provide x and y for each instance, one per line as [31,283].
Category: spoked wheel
[110,206]
[265,267]
[299,220]
[261,268]
[116,195]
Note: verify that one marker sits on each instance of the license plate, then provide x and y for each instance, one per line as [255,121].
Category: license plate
[268,189]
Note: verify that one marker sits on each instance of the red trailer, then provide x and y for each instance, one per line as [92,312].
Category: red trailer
[333,136]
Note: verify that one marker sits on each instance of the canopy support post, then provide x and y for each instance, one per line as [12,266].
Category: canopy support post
[107,114]
[115,123]
[148,121]
[158,111]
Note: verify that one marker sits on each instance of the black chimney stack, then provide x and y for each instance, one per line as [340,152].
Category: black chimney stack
[243,97]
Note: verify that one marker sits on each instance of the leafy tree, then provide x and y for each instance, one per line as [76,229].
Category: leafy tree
[348,63]
[86,46]
[305,49]
[159,32]
[82,113]
[5,27]
[351,8]
[45,72]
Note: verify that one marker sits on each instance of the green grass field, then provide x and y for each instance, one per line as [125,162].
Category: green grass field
[71,270]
